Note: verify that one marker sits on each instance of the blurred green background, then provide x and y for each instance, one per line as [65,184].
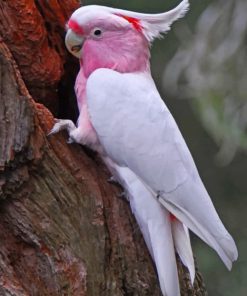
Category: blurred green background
[200,68]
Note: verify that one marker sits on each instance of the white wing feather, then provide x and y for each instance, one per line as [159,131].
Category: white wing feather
[160,234]
[155,225]
[137,131]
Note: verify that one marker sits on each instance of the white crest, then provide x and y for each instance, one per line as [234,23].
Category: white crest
[154,25]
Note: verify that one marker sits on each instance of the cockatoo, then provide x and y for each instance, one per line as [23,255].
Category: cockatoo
[124,119]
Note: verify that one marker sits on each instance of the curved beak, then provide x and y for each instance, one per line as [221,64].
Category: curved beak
[74,43]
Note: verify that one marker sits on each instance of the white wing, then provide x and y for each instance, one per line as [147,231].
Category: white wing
[155,225]
[137,131]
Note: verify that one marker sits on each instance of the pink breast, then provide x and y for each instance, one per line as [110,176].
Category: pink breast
[80,88]
[84,125]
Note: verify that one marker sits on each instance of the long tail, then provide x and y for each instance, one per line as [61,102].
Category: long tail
[156,228]
[182,244]
[159,231]
[200,216]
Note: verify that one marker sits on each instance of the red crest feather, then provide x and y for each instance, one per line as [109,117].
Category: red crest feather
[132,20]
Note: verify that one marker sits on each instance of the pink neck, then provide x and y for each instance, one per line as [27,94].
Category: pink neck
[119,54]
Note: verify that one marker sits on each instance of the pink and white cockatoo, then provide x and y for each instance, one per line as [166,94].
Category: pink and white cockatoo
[124,119]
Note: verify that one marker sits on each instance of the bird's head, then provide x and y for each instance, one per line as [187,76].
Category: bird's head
[104,37]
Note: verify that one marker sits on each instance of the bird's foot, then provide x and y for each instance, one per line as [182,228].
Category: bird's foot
[113,180]
[123,195]
[63,124]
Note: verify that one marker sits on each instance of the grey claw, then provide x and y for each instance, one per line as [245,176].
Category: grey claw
[57,127]
[124,196]
[121,195]
[70,140]
[54,130]
[51,132]
[112,180]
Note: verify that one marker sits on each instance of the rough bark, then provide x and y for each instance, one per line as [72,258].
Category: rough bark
[63,230]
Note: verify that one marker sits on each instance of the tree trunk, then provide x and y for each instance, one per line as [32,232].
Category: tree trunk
[63,230]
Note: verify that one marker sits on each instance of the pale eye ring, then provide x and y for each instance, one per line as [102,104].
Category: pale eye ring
[97,32]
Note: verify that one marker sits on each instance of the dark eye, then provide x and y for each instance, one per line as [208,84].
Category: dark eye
[97,32]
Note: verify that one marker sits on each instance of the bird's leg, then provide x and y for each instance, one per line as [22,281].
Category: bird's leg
[121,195]
[113,180]
[124,196]
[82,134]
[63,124]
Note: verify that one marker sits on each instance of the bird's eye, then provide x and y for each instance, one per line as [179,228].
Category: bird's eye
[97,32]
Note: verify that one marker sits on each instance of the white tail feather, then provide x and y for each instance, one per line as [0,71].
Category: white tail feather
[182,244]
[164,255]
[155,226]
[204,234]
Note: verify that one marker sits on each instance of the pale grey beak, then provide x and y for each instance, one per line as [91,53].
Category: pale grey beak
[74,43]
